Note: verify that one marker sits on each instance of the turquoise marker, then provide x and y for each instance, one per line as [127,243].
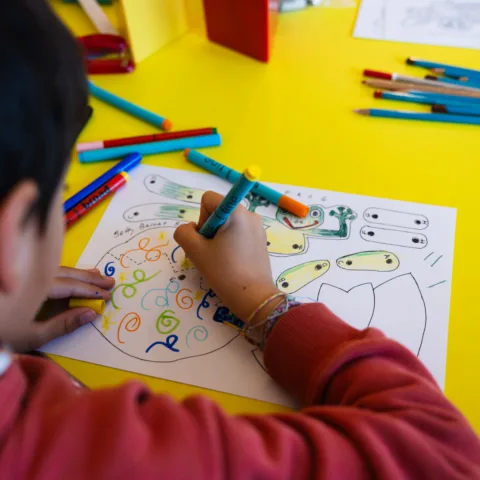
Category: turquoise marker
[128,107]
[153,148]
[227,173]
[231,201]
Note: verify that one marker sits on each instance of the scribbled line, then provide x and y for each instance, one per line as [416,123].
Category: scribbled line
[204,303]
[132,324]
[428,256]
[109,269]
[199,332]
[169,343]
[151,254]
[167,322]
[173,253]
[185,302]
[435,284]
[441,256]
[173,287]
[129,290]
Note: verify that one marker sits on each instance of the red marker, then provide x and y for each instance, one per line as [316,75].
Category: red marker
[155,137]
[97,197]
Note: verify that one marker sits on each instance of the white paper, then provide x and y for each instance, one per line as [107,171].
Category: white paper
[374,262]
[450,23]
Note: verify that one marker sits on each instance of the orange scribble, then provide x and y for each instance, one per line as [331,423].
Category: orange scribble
[151,254]
[185,300]
[132,325]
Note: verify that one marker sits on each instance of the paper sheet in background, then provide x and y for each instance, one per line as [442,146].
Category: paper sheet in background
[374,262]
[449,23]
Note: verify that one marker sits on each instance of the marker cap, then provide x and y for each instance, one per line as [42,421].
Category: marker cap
[253,173]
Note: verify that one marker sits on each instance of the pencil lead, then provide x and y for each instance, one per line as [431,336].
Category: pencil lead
[362,111]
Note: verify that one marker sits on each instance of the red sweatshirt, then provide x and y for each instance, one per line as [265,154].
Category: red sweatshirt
[371,410]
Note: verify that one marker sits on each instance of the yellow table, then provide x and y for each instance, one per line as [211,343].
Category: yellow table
[294,117]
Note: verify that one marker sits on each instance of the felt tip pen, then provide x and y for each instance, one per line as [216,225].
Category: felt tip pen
[222,171]
[151,148]
[125,165]
[231,201]
[93,200]
[97,305]
[129,107]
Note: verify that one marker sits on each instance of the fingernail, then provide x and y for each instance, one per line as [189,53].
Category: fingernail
[87,317]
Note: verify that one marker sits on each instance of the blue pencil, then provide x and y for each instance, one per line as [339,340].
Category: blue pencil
[459,109]
[442,98]
[420,99]
[123,166]
[129,107]
[429,117]
[150,148]
[231,201]
[451,81]
[450,70]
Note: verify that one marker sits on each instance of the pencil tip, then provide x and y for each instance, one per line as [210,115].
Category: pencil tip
[362,111]
[410,61]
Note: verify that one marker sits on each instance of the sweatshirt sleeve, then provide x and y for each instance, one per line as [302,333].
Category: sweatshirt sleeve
[370,410]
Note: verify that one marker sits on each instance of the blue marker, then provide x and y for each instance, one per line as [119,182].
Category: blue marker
[152,148]
[124,166]
[227,173]
[128,107]
[231,201]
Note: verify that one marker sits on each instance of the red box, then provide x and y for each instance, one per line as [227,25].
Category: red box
[247,26]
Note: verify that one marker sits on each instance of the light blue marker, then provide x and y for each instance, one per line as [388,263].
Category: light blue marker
[128,107]
[231,201]
[150,148]
[449,70]
[222,171]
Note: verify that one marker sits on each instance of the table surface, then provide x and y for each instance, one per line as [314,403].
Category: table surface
[294,117]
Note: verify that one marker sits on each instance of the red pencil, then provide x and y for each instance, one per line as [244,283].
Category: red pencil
[97,197]
[154,137]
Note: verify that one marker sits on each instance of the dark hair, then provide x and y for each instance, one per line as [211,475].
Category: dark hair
[43,98]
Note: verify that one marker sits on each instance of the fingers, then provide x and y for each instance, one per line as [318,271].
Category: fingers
[88,276]
[62,324]
[189,239]
[69,287]
[210,202]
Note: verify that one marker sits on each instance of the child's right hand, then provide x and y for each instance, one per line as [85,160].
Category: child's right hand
[235,262]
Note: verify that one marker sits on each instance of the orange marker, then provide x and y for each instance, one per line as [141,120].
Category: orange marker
[277,198]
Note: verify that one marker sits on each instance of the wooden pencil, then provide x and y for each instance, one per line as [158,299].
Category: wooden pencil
[404,87]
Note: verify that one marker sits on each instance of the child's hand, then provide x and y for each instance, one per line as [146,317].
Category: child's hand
[235,262]
[55,318]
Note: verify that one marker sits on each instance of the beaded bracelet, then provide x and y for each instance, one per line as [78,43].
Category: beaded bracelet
[263,305]
[258,334]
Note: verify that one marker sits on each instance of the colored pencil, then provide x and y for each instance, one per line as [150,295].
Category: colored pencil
[389,85]
[396,77]
[231,201]
[131,161]
[129,107]
[154,137]
[443,98]
[457,109]
[417,98]
[451,81]
[443,68]
[227,173]
[429,117]
[93,200]
[151,148]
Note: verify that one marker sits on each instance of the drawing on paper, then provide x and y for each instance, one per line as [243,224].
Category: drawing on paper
[165,321]
[286,233]
[371,261]
[445,15]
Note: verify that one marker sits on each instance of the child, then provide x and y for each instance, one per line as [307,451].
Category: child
[370,409]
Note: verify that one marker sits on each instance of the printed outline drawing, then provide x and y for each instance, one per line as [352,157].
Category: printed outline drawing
[134,356]
[382,253]
[372,219]
[393,230]
[323,270]
[287,235]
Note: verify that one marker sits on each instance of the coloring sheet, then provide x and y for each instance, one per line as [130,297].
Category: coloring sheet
[449,23]
[374,262]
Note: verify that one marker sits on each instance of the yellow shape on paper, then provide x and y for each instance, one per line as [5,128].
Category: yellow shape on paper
[284,241]
[295,278]
[187,264]
[161,236]
[199,295]
[371,261]
[122,277]
[106,323]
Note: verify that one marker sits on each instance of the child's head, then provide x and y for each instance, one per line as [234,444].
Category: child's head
[43,107]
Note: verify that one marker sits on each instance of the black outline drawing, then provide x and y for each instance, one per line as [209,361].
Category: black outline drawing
[373,216]
[323,267]
[383,253]
[138,264]
[413,236]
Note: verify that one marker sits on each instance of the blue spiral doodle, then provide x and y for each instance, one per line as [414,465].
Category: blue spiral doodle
[173,253]
[169,343]
[109,269]
[204,303]
[199,332]
[162,300]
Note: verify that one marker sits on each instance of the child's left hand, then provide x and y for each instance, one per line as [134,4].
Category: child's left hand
[55,318]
